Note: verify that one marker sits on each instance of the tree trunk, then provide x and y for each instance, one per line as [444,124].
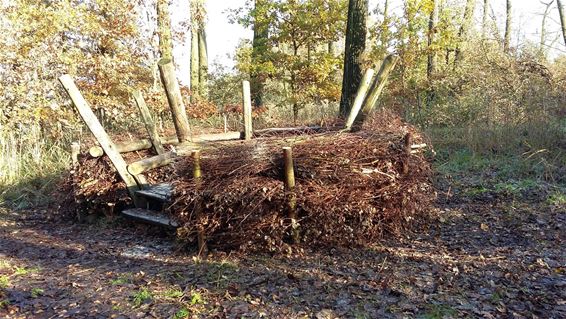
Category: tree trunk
[543,26]
[431,63]
[164,30]
[356,31]
[257,76]
[484,19]
[203,63]
[194,63]
[465,28]
[507,39]
[562,19]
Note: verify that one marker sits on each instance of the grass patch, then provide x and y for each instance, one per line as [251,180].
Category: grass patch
[22,271]
[439,312]
[4,281]
[142,296]
[121,280]
[36,292]
[557,198]
[196,298]
[174,293]
[4,304]
[182,314]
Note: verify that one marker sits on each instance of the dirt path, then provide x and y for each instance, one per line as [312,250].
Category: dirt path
[488,258]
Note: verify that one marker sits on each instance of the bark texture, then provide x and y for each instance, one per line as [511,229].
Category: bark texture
[356,31]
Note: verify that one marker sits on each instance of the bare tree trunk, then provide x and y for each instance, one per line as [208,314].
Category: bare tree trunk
[507,39]
[164,29]
[484,19]
[431,65]
[562,19]
[261,34]
[543,26]
[465,27]
[194,63]
[203,64]
[356,31]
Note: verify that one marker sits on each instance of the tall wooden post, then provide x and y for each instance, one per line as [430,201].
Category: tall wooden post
[167,71]
[376,88]
[98,131]
[360,96]
[197,175]
[247,102]
[148,122]
[290,189]
[407,141]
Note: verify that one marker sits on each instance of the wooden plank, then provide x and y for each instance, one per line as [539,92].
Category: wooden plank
[98,131]
[149,123]
[160,192]
[150,216]
[143,144]
[174,98]
[146,164]
[248,129]
[360,96]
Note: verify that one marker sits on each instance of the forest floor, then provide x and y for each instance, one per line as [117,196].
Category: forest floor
[495,253]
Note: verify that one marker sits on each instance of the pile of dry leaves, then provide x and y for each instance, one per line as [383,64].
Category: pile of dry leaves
[350,188]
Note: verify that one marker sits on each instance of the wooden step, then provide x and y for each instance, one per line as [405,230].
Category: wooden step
[160,192]
[150,217]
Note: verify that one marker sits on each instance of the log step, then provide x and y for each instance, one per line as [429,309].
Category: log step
[159,192]
[150,217]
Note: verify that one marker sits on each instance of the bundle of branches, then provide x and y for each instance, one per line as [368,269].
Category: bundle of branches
[350,189]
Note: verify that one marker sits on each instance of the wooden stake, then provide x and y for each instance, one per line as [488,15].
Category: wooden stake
[376,88]
[148,121]
[197,175]
[179,113]
[75,150]
[248,129]
[290,189]
[98,131]
[360,96]
[407,146]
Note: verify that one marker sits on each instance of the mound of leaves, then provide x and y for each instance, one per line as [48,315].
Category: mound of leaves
[350,190]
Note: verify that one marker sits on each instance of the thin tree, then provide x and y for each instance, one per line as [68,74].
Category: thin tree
[164,29]
[543,25]
[261,34]
[465,27]
[356,31]
[431,57]
[507,38]
[562,19]
[199,54]
[484,18]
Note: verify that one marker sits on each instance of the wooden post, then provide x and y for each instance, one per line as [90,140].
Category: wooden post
[98,131]
[143,144]
[247,102]
[197,175]
[149,163]
[148,121]
[376,89]
[75,150]
[290,190]
[179,113]
[407,141]
[360,96]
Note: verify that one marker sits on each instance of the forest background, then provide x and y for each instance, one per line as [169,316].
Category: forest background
[487,87]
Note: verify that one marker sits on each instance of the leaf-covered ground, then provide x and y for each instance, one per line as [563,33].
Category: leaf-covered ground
[491,255]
